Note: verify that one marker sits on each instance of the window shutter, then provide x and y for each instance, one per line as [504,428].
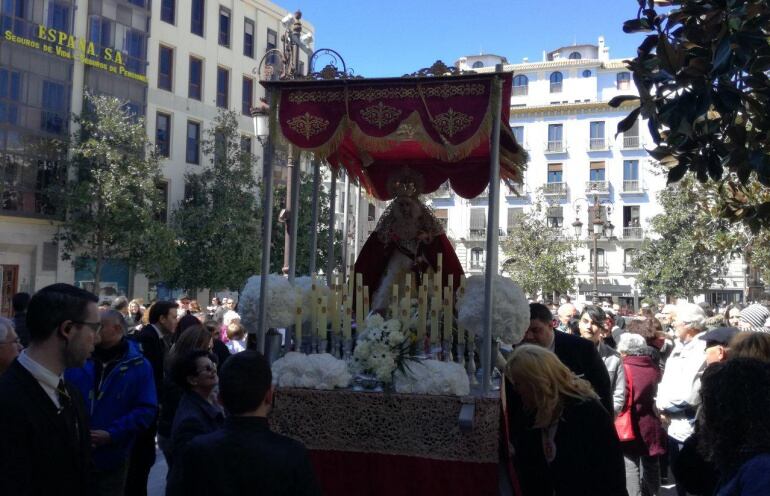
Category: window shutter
[50,256]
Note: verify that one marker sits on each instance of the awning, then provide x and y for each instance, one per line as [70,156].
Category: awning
[606,289]
[439,126]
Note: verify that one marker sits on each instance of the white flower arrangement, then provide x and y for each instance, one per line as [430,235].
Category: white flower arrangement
[433,377]
[510,309]
[316,371]
[305,284]
[281,301]
[381,349]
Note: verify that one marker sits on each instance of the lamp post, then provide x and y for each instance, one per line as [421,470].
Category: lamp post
[599,228]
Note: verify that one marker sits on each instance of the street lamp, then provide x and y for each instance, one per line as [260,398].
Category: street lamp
[599,228]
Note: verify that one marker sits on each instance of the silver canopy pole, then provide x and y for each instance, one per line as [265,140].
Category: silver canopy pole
[267,229]
[332,218]
[294,216]
[492,233]
[346,196]
[314,213]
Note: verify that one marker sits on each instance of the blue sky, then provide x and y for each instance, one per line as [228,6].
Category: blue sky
[390,38]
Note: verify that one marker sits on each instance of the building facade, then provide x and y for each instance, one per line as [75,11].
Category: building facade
[559,113]
[174,63]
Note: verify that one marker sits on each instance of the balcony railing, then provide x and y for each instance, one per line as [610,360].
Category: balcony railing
[597,144]
[476,233]
[597,186]
[631,142]
[633,233]
[556,87]
[630,268]
[602,268]
[555,189]
[632,186]
[519,90]
[554,146]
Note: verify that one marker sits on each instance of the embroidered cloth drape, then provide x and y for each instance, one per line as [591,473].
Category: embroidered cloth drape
[438,126]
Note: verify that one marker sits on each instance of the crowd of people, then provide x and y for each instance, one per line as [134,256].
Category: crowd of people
[681,388]
[597,403]
[88,391]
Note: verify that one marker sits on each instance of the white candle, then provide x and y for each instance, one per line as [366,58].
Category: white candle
[298,322]
[447,315]
[366,302]
[359,302]
[322,320]
[422,313]
[435,304]
[394,303]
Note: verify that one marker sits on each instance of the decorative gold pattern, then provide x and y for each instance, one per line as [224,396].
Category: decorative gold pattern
[450,122]
[307,125]
[380,115]
[371,94]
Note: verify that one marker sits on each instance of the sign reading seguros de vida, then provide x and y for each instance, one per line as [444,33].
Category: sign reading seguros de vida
[66,46]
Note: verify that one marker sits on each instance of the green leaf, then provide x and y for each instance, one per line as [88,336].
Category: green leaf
[628,121]
[620,99]
[676,173]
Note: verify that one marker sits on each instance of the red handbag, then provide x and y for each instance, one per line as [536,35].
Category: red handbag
[623,424]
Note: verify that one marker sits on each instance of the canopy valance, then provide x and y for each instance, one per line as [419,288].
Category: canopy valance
[439,126]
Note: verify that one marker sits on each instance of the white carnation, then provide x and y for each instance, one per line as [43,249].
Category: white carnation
[391,325]
[374,321]
[510,315]
[433,377]
[281,302]
[318,371]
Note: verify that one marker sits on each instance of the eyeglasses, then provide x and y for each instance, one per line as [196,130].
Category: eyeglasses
[15,341]
[94,326]
[208,368]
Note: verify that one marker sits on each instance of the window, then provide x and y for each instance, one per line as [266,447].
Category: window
[272,43]
[134,46]
[477,65]
[556,80]
[477,258]
[520,85]
[168,11]
[590,216]
[478,226]
[629,259]
[601,266]
[631,216]
[11,9]
[139,3]
[162,215]
[515,215]
[246,144]
[624,80]
[597,136]
[554,173]
[442,215]
[59,16]
[518,133]
[596,172]
[223,87]
[52,118]
[555,217]
[370,212]
[587,73]
[193,145]
[195,84]
[247,95]
[630,170]
[631,137]
[10,89]
[555,133]
[100,31]
[248,38]
[165,68]
[163,134]
[224,27]
[575,56]
[197,14]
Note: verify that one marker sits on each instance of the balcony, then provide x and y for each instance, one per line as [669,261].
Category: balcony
[555,189]
[602,268]
[597,144]
[600,187]
[477,233]
[630,268]
[633,233]
[633,186]
[554,146]
[555,87]
[631,142]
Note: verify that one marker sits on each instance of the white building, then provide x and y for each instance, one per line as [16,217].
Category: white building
[559,113]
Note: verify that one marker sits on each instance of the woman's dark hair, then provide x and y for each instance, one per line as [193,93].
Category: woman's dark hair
[185,367]
[643,327]
[185,322]
[734,422]
[736,306]
[597,316]
[574,326]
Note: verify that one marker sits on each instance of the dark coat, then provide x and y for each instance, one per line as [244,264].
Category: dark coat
[38,455]
[581,357]
[245,457]
[20,326]
[154,351]
[194,417]
[650,435]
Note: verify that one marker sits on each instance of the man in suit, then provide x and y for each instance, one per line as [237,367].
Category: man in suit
[45,441]
[581,357]
[153,339]
[245,457]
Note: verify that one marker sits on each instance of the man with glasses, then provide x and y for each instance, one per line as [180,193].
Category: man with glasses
[45,443]
[118,386]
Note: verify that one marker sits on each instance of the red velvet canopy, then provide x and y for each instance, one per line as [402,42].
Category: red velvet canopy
[439,126]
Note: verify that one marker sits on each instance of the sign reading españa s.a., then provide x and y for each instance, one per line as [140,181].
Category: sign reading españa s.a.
[66,46]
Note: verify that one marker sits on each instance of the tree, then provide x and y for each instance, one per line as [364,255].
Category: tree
[217,225]
[539,258]
[112,199]
[303,232]
[691,247]
[703,85]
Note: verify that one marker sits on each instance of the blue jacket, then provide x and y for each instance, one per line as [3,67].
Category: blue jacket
[125,404]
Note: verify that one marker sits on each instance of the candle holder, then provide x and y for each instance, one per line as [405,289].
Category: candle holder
[460,358]
[347,349]
[335,351]
[471,363]
[446,351]
[322,345]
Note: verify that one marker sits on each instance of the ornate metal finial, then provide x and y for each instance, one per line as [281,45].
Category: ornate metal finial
[438,68]
[332,68]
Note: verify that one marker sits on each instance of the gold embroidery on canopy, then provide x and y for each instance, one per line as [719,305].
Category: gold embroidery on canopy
[307,125]
[403,92]
[451,122]
[298,97]
[380,115]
